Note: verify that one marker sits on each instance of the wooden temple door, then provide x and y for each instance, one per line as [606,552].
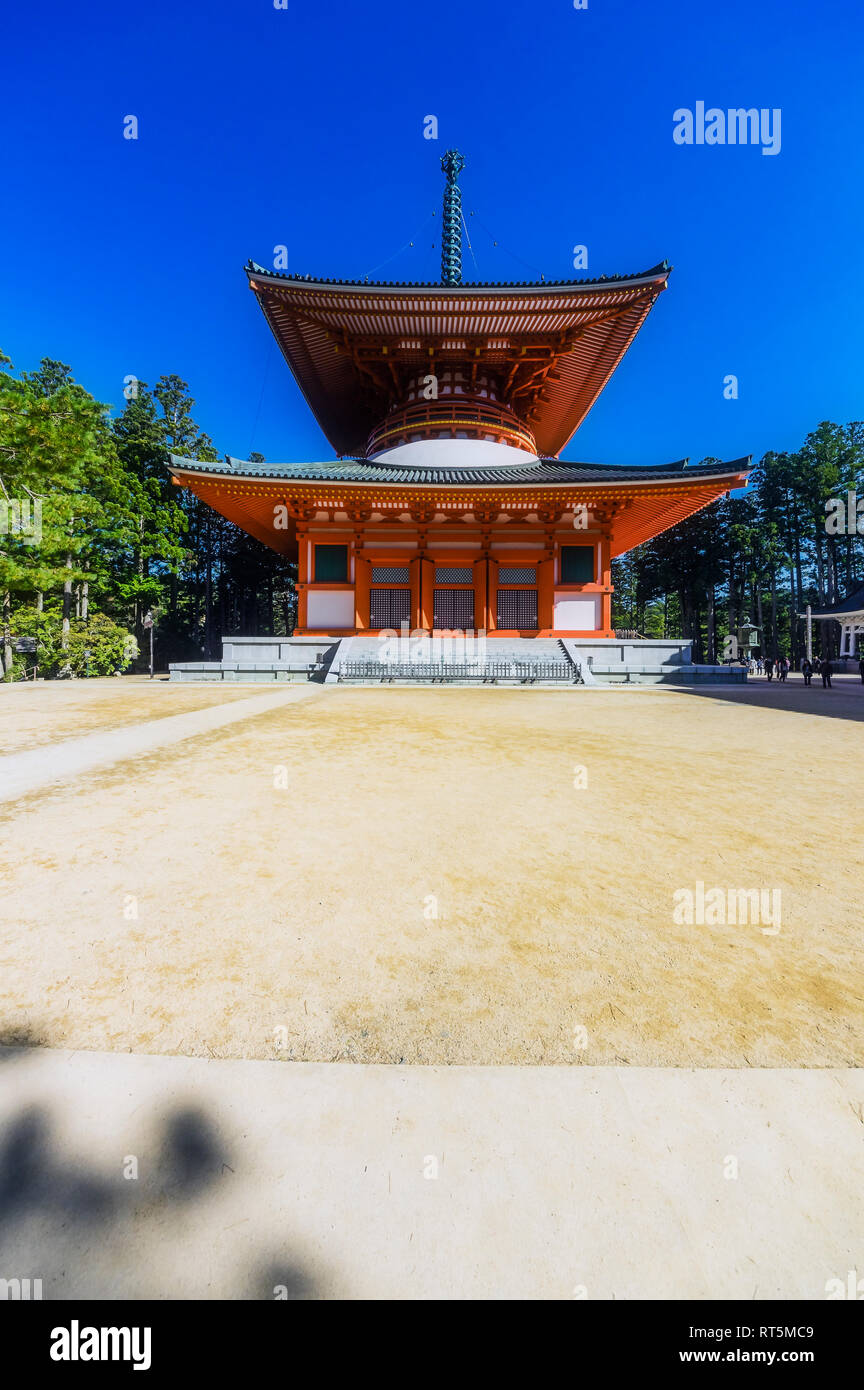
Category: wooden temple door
[453,598]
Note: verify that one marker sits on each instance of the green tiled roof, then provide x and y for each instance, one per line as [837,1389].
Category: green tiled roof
[531,473]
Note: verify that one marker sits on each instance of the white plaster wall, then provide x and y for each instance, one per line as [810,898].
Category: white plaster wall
[330,608]
[577,613]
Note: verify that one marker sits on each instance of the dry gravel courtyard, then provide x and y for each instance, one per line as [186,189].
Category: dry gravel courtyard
[394,875]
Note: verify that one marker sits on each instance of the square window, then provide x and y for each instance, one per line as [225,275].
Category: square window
[577,564]
[331,564]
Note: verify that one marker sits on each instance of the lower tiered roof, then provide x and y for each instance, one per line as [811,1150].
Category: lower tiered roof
[635,503]
[532,473]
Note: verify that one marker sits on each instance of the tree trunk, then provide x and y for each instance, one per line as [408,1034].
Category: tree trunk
[67,606]
[775,647]
[820,570]
[7,635]
[799,577]
[139,568]
[833,576]
[208,590]
[760,622]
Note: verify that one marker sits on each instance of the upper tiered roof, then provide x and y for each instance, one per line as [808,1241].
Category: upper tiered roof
[552,347]
[519,363]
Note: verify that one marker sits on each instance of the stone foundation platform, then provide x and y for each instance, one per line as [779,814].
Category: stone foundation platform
[371,660]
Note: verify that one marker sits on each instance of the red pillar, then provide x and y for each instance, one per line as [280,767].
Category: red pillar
[492,605]
[606,581]
[481,589]
[302,578]
[427,594]
[545,594]
[362,580]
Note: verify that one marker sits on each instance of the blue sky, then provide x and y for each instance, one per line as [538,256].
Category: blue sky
[304,127]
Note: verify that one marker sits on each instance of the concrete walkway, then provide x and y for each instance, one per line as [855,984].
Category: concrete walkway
[341,1181]
[37,768]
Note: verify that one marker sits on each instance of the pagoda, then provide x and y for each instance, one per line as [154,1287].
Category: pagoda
[447,506]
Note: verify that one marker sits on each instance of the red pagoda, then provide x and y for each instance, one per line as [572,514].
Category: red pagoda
[447,406]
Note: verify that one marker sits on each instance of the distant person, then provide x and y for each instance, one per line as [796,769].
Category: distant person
[759,664]
[807,671]
[769,668]
[753,667]
[782,669]
[825,671]
[861,667]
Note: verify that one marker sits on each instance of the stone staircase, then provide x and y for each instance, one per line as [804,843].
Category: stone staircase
[442,660]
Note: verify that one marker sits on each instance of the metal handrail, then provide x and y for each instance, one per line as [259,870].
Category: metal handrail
[526,672]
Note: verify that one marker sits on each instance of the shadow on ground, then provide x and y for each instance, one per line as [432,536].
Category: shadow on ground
[844,700]
[87,1234]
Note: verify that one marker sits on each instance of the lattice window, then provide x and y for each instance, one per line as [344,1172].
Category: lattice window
[517,574]
[517,608]
[454,574]
[391,574]
[453,609]
[389,607]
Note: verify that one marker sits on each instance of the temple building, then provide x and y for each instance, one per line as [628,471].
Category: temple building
[849,613]
[447,406]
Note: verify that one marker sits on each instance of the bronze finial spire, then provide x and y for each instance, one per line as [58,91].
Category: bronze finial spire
[451,240]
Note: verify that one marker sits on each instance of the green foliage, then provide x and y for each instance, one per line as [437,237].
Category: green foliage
[97,647]
[763,555]
[117,538]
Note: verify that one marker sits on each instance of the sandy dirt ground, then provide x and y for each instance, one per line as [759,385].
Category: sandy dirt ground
[420,876]
[35,715]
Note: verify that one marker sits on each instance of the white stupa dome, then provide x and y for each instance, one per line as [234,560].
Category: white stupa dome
[454,453]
